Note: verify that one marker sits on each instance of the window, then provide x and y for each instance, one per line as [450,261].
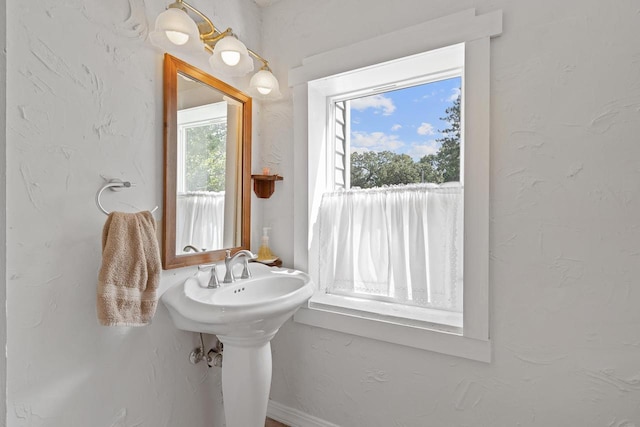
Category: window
[393,242]
[394,283]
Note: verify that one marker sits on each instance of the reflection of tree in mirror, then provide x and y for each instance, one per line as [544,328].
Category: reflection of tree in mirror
[205,157]
[371,169]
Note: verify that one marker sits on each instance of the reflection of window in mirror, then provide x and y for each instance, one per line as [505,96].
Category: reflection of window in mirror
[202,138]
[208,124]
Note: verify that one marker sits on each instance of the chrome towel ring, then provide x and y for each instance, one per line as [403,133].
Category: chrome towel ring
[114,185]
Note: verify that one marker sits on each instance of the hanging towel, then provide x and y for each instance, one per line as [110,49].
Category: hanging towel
[130,270]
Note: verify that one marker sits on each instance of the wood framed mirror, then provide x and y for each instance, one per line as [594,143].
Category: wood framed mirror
[207,167]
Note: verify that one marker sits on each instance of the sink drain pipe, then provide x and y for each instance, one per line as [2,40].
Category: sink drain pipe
[213,357]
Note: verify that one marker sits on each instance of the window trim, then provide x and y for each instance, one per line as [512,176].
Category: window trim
[475,32]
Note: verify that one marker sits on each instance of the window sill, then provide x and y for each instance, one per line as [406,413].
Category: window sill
[421,334]
[406,315]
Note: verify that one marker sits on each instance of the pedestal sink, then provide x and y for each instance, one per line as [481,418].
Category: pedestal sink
[245,315]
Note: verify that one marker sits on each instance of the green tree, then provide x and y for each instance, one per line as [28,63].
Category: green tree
[364,169]
[448,157]
[205,157]
[400,169]
[427,169]
[375,169]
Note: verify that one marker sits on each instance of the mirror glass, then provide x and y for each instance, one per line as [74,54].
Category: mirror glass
[207,171]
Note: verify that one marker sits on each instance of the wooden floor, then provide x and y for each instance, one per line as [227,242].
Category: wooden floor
[272,423]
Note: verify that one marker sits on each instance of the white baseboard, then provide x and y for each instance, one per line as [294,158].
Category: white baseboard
[294,418]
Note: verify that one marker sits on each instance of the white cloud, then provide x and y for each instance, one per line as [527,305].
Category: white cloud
[455,93]
[426,129]
[362,142]
[429,95]
[374,141]
[359,150]
[418,151]
[396,127]
[378,102]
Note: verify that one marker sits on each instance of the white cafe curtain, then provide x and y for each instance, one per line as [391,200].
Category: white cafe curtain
[400,244]
[200,220]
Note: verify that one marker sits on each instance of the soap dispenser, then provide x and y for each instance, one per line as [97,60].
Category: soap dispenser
[264,253]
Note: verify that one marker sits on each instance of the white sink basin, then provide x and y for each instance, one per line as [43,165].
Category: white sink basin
[245,315]
[248,308]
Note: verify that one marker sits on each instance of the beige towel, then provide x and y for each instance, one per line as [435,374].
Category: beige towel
[130,270]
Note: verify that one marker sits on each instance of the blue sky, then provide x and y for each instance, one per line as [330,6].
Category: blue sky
[403,121]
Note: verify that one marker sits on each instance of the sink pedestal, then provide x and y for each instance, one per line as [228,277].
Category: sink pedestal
[245,315]
[246,381]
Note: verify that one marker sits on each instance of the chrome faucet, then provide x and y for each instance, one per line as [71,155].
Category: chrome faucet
[229,261]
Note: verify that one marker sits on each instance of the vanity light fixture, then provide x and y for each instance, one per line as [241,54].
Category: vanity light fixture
[176,29]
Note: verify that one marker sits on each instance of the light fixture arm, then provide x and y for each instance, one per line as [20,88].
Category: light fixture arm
[213,34]
[265,63]
[213,29]
[211,39]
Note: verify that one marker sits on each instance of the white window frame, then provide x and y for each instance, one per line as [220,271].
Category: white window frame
[311,118]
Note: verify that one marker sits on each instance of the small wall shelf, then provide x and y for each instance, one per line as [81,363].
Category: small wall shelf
[265,185]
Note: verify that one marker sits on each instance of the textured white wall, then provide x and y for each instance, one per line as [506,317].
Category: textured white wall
[3,212]
[84,100]
[565,230]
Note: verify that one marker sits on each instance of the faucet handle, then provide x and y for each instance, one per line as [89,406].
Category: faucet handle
[213,280]
[206,267]
[245,269]
[228,275]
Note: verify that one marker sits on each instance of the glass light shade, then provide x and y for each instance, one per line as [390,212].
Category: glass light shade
[231,58]
[175,28]
[264,85]
[176,37]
